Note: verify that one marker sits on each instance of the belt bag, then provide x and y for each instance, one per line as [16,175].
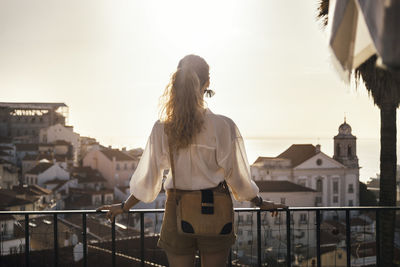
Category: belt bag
[206,212]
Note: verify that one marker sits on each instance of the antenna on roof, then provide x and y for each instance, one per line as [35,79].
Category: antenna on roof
[345,117]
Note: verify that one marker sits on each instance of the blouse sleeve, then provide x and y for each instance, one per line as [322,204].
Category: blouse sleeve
[146,181]
[231,156]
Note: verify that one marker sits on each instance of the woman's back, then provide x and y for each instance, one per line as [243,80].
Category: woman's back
[216,154]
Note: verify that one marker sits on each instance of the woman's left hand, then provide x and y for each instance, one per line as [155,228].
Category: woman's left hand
[113,210]
[271,206]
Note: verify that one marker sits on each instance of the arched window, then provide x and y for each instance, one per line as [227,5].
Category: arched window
[319,185]
[338,149]
[349,152]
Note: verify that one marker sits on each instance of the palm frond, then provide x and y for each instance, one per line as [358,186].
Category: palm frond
[323,9]
[381,84]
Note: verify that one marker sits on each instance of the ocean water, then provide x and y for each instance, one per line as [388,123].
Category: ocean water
[368,151]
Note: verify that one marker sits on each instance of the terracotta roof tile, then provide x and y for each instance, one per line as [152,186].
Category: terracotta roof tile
[9,199]
[41,167]
[119,156]
[298,153]
[261,159]
[281,186]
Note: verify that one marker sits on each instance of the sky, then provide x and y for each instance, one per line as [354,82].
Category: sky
[110,61]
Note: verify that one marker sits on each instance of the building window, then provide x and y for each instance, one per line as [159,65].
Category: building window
[338,150]
[335,187]
[318,199]
[319,185]
[283,200]
[118,168]
[350,202]
[240,232]
[249,217]
[335,199]
[133,166]
[351,189]
[125,166]
[249,232]
[349,152]
[240,218]
[303,218]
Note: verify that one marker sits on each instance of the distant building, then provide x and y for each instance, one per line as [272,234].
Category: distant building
[12,236]
[25,120]
[8,152]
[336,179]
[44,172]
[87,144]
[42,197]
[10,201]
[59,132]
[25,149]
[8,174]
[284,192]
[116,166]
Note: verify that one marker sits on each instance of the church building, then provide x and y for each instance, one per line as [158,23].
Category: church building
[336,179]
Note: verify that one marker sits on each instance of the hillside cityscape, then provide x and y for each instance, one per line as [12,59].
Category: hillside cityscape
[46,165]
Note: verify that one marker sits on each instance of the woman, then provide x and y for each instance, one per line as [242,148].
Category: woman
[210,150]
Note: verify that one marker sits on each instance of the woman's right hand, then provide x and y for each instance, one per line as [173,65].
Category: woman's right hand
[113,210]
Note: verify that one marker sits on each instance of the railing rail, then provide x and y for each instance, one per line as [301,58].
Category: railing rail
[142,212]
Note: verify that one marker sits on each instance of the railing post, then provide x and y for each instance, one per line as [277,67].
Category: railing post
[318,220]
[288,240]
[113,263]
[377,238]
[348,241]
[84,241]
[27,240]
[55,230]
[142,239]
[230,258]
[259,238]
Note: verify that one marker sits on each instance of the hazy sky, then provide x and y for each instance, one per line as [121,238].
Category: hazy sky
[109,61]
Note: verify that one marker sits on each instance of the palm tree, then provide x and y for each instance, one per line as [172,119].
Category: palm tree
[384,87]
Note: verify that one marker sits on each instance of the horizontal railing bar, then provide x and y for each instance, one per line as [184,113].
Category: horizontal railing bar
[162,210]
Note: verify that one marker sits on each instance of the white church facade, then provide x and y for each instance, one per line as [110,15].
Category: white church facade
[336,178]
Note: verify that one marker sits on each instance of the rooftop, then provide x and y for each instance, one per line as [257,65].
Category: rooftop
[119,155]
[31,105]
[298,153]
[281,186]
[41,167]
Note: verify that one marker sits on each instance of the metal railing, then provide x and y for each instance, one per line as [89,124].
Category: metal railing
[258,212]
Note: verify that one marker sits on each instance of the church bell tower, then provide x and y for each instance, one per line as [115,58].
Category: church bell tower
[345,145]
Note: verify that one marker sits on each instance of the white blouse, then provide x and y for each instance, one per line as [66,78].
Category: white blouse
[217,153]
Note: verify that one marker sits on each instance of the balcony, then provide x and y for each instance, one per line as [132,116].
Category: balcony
[330,236]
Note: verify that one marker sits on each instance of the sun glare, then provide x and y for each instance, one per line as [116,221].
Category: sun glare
[189,26]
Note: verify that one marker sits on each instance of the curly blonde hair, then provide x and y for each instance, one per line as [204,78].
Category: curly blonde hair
[183,105]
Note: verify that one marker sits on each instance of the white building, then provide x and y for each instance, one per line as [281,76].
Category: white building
[59,132]
[12,239]
[44,172]
[336,178]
